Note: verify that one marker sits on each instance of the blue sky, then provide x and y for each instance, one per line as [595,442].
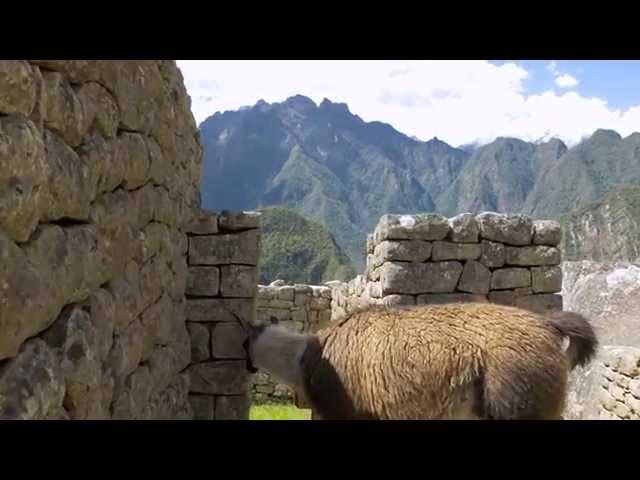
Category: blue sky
[457,101]
[616,81]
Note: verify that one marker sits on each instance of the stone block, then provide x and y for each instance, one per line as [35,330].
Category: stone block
[203,406]
[475,278]
[455,251]
[443,298]
[232,407]
[411,227]
[401,250]
[546,279]
[200,340]
[239,281]
[238,220]
[416,278]
[221,377]
[532,256]
[203,281]
[464,228]
[509,229]
[506,278]
[547,232]
[227,340]
[240,248]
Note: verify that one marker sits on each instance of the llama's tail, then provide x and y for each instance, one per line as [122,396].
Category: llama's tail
[583,342]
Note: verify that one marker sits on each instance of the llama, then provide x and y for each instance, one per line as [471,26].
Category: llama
[451,361]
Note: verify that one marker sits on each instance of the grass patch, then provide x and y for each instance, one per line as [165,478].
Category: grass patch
[278,412]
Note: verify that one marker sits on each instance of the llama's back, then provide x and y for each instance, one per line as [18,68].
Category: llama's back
[445,361]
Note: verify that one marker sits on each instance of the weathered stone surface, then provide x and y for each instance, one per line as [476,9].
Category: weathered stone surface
[220,310]
[411,227]
[238,220]
[464,228]
[227,340]
[232,407]
[130,401]
[594,391]
[17,87]
[65,113]
[241,248]
[102,307]
[222,377]
[547,232]
[23,176]
[203,281]
[510,229]
[401,250]
[78,70]
[505,278]
[74,338]
[441,298]
[200,339]
[100,109]
[475,278]
[532,256]
[416,278]
[541,303]
[546,279]
[70,186]
[286,293]
[203,406]
[395,299]
[455,251]
[25,295]
[493,254]
[370,244]
[238,281]
[31,385]
[132,152]
[127,349]
[613,308]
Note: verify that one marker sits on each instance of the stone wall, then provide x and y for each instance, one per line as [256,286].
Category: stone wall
[609,388]
[99,173]
[302,308]
[221,292]
[426,259]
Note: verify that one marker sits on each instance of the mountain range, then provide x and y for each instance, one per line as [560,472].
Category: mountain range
[331,167]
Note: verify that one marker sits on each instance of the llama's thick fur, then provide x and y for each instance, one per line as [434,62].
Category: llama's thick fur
[453,361]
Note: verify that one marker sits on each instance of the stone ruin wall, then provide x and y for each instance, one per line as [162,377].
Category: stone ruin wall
[301,308]
[609,388]
[221,291]
[427,259]
[120,299]
[99,175]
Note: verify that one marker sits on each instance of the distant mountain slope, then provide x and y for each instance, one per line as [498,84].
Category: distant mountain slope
[585,173]
[299,251]
[608,230]
[332,167]
[323,162]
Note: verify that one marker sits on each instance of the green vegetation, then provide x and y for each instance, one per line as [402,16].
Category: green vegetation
[278,412]
[298,250]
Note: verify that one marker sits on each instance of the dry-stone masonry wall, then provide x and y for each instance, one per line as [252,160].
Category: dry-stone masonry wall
[99,173]
[221,292]
[425,259]
[302,308]
[609,388]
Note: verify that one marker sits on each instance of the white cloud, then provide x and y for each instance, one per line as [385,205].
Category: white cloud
[562,80]
[566,81]
[457,101]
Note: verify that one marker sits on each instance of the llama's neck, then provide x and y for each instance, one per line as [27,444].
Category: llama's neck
[279,352]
